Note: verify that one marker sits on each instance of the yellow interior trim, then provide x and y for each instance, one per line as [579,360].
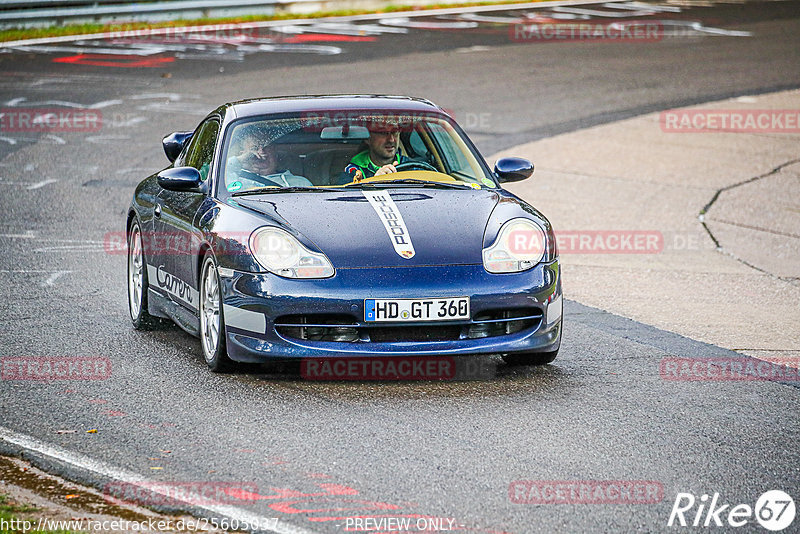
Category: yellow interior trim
[428,176]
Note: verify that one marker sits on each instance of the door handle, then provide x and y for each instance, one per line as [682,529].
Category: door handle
[157,211]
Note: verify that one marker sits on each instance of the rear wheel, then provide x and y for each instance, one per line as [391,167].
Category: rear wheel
[137,281]
[212,319]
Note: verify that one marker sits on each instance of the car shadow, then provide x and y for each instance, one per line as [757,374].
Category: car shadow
[495,378]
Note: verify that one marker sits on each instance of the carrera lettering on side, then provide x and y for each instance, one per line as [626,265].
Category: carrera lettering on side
[393,221]
[173,285]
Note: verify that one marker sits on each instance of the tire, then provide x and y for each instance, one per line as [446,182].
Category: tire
[212,320]
[530,358]
[137,281]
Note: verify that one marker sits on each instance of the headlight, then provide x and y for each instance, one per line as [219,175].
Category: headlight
[281,253]
[519,246]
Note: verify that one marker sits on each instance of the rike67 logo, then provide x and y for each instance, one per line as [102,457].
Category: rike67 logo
[774,510]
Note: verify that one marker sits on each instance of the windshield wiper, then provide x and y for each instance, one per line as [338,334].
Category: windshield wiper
[411,181]
[290,189]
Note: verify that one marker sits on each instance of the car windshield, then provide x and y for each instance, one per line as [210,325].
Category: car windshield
[349,149]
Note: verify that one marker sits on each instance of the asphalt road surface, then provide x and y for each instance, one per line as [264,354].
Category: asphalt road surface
[313,454]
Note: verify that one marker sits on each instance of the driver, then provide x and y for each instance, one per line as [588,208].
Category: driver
[259,158]
[380,158]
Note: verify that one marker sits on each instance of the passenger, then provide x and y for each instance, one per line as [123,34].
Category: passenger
[258,158]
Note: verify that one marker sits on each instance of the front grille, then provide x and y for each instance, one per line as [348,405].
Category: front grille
[387,334]
[345,328]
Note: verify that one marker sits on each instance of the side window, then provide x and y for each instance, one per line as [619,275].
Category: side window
[454,156]
[417,145]
[200,153]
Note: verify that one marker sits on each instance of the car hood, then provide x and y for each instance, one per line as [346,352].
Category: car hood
[443,226]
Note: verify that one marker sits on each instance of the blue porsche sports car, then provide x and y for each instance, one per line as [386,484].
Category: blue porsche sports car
[332,226]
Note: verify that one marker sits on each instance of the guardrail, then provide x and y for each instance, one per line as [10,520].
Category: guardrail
[9,4]
[32,13]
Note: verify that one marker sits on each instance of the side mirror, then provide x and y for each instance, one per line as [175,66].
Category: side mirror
[173,144]
[181,179]
[513,169]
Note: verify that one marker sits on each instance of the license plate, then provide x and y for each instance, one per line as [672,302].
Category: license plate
[449,309]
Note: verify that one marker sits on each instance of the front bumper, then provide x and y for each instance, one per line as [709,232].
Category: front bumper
[520,312]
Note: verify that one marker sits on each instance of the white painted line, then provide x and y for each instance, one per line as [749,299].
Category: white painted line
[26,235]
[352,29]
[47,240]
[639,5]
[493,19]
[16,103]
[132,121]
[51,280]
[596,13]
[41,184]
[103,138]
[25,271]
[136,170]
[315,49]
[173,97]
[474,48]
[406,22]
[108,471]
[141,51]
[58,140]
[73,248]
[697,26]
[273,23]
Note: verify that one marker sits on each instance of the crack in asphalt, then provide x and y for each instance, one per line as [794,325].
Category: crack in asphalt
[704,211]
[758,228]
[744,182]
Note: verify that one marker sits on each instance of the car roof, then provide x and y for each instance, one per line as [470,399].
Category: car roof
[293,104]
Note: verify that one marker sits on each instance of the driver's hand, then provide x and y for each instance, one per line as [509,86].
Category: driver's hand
[386,169]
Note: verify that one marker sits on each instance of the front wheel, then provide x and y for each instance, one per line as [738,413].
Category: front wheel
[212,319]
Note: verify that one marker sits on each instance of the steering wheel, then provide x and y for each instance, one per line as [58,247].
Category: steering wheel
[421,165]
[250,175]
